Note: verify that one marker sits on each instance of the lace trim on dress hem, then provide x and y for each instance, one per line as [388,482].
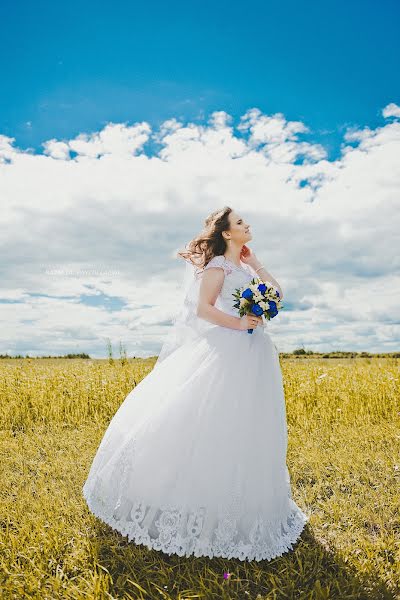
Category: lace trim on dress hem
[178,530]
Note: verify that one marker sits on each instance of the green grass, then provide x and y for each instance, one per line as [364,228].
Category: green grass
[343,458]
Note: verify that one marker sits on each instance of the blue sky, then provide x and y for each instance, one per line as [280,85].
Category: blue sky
[72,67]
[123,125]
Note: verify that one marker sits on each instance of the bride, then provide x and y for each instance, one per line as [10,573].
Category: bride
[194,459]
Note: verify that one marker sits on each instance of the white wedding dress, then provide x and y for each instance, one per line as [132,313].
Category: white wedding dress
[194,459]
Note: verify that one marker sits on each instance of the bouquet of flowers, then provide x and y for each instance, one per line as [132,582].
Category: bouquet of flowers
[258,299]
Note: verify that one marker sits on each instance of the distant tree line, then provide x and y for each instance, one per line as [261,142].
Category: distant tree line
[81,355]
[300,353]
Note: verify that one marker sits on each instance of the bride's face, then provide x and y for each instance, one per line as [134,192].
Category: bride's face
[239,231]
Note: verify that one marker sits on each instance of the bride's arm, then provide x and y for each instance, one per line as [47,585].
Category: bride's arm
[265,276]
[210,287]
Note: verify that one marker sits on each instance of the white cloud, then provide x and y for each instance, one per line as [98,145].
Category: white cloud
[57,149]
[114,139]
[391,110]
[101,201]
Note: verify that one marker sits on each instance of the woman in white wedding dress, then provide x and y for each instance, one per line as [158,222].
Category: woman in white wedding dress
[194,459]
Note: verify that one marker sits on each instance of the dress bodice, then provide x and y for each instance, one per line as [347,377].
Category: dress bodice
[235,277]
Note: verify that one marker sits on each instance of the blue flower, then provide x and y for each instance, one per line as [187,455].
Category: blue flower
[272,311]
[248,294]
[257,310]
[262,287]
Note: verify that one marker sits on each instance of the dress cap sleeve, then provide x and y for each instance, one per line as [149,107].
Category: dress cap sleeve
[218,262]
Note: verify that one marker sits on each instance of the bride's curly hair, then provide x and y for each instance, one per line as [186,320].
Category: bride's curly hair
[209,242]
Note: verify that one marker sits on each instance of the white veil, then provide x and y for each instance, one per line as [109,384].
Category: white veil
[186,325]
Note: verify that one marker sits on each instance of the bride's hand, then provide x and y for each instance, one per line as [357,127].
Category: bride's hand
[248,256]
[250,322]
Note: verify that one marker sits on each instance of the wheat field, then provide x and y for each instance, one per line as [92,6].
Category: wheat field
[343,457]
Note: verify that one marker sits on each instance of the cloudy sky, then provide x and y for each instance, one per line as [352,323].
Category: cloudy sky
[123,125]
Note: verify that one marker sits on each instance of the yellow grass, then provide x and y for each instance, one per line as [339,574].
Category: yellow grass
[343,457]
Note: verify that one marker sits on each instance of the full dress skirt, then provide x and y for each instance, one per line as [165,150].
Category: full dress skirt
[194,460]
